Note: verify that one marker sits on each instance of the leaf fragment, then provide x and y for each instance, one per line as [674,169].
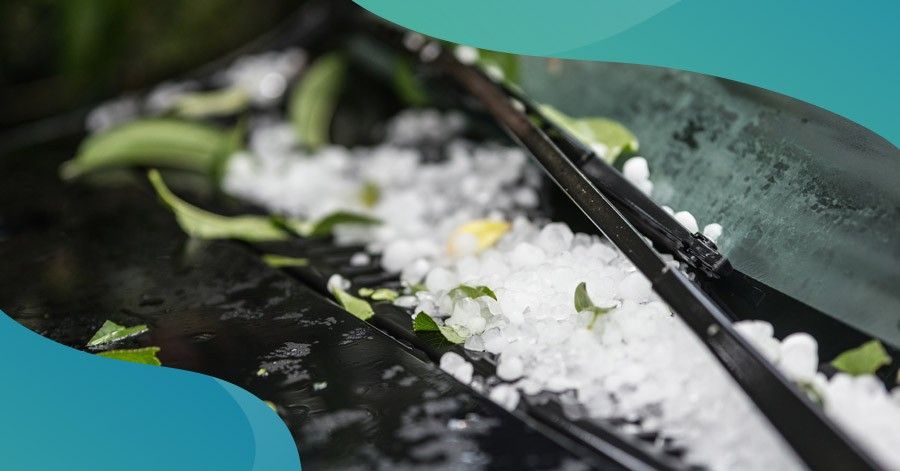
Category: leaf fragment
[325,225]
[407,85]
[356,306]
[111,332]
[486,233]
[615,137]
[583,303]
[315,98]
[425,323]
[380,294]
[473,292]
[222,102]
[862,360]
[145,355]
[370,194]
[165,143]
[279,261]
[202,224]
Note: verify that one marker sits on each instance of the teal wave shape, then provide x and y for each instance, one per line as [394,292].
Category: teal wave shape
[67,409]
[838,55]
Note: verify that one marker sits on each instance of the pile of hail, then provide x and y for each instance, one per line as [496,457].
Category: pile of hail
[462,234]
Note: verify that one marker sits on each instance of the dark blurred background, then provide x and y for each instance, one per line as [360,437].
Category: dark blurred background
[61,55]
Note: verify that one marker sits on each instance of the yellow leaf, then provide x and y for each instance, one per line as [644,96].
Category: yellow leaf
[486,233]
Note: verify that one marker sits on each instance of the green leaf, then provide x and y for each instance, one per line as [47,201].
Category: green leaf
[152,143]
[112,332]
[356,306]
[862,360]
[583,303]
[380,294]
[315,98]
[473,292]
[416,288]
[612,134]
[203,224]
[146,355]
[582,300]
[424,323]
[508,64]
[370,194]
[384,294]
[407,85]
[224,102]
[279,261]
[323,226]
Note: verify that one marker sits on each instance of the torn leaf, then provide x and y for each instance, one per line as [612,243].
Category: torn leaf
[111,332]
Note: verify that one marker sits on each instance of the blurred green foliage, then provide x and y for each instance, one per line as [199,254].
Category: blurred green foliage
[59,54]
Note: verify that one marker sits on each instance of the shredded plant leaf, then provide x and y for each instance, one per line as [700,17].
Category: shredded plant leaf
[315,98]
[613,135]
[583,303]
[323,226]
[485,231]
[111,332]
[356,306]
[425,323]
[145,355]
[203,224]
[407,85]
[862,360]
[473,292]
[223,102]
[380,294]
[413,289]
[165,143]
[279,261]
[370,194]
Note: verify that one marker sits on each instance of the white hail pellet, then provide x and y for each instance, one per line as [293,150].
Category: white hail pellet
[466,54]
[712,231]
[687,220]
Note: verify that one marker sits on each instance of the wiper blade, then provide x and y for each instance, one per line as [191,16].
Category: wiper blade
[815,439]
[666,233]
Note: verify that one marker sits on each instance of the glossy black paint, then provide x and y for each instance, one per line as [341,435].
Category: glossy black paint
[353,397]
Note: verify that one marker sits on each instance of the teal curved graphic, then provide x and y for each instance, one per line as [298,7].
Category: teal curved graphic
[838,55]
[66,409]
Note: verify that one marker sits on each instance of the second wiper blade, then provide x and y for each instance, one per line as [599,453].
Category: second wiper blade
[818,442]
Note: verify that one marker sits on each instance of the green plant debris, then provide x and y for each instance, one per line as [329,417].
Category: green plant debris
[583,303]
[279,261]
[356,306]
[380,294]
[862,360]
[425,323]
[202,224]
[473,292]
[262,372]
[315,99]
[613,135]
[407,84]
[111,332]
[323,226]
[145,355]
[370,194]
[223,102]
[165,143]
